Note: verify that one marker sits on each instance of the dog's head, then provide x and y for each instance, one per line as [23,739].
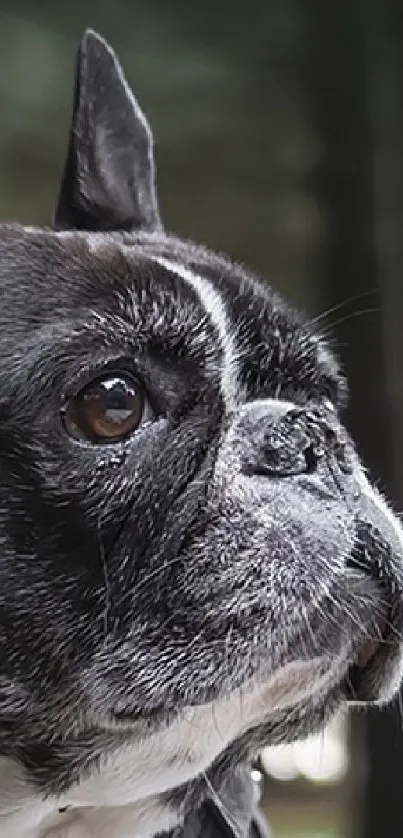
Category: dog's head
[187,533]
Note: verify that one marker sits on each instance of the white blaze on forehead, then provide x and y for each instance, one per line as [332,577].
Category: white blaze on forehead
[213,304]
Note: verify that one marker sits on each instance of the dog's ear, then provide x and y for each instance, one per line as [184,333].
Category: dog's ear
[109,177]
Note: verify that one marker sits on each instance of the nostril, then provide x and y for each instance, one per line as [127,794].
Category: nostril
[285,459]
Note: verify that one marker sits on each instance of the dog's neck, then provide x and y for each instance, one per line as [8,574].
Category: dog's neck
[24,814]
[142,820]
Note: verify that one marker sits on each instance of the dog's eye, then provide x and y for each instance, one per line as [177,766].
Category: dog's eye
[107,410]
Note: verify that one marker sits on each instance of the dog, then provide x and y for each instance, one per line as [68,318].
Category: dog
[194,563]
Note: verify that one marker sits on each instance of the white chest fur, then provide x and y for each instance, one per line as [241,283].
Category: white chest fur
[123,798]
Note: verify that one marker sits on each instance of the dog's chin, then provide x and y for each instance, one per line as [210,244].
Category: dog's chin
[371,674]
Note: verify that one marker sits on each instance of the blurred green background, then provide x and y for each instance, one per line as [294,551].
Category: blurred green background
[279,129]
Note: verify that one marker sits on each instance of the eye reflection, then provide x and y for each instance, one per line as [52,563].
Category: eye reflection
[107,410]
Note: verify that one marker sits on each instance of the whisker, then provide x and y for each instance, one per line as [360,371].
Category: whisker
[224,811]
[338,306]
[216,726]
[352,316]
[310,631]
[153,574]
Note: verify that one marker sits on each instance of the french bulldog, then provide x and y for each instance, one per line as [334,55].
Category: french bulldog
[194,563]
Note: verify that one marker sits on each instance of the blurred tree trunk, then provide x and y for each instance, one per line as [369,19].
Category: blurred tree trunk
[383,798]
[360,257]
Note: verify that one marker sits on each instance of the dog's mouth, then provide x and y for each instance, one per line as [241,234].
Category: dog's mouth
[374,668]
[377,667]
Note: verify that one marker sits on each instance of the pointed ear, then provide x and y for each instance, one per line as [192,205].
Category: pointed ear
[109,177]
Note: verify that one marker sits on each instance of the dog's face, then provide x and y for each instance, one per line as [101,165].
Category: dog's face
[191,553]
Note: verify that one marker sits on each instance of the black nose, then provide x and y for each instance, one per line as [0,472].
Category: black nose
[292,441]
[289,448]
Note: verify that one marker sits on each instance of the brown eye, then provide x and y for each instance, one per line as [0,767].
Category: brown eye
[108,410]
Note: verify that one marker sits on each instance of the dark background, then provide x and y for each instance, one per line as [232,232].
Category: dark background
[279,128]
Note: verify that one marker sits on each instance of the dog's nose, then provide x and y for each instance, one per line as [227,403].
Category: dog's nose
[292,440]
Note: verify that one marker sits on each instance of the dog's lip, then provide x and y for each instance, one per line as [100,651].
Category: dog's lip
[374,658]
[365,678]
[371,647]
[374,665]
[367,653]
